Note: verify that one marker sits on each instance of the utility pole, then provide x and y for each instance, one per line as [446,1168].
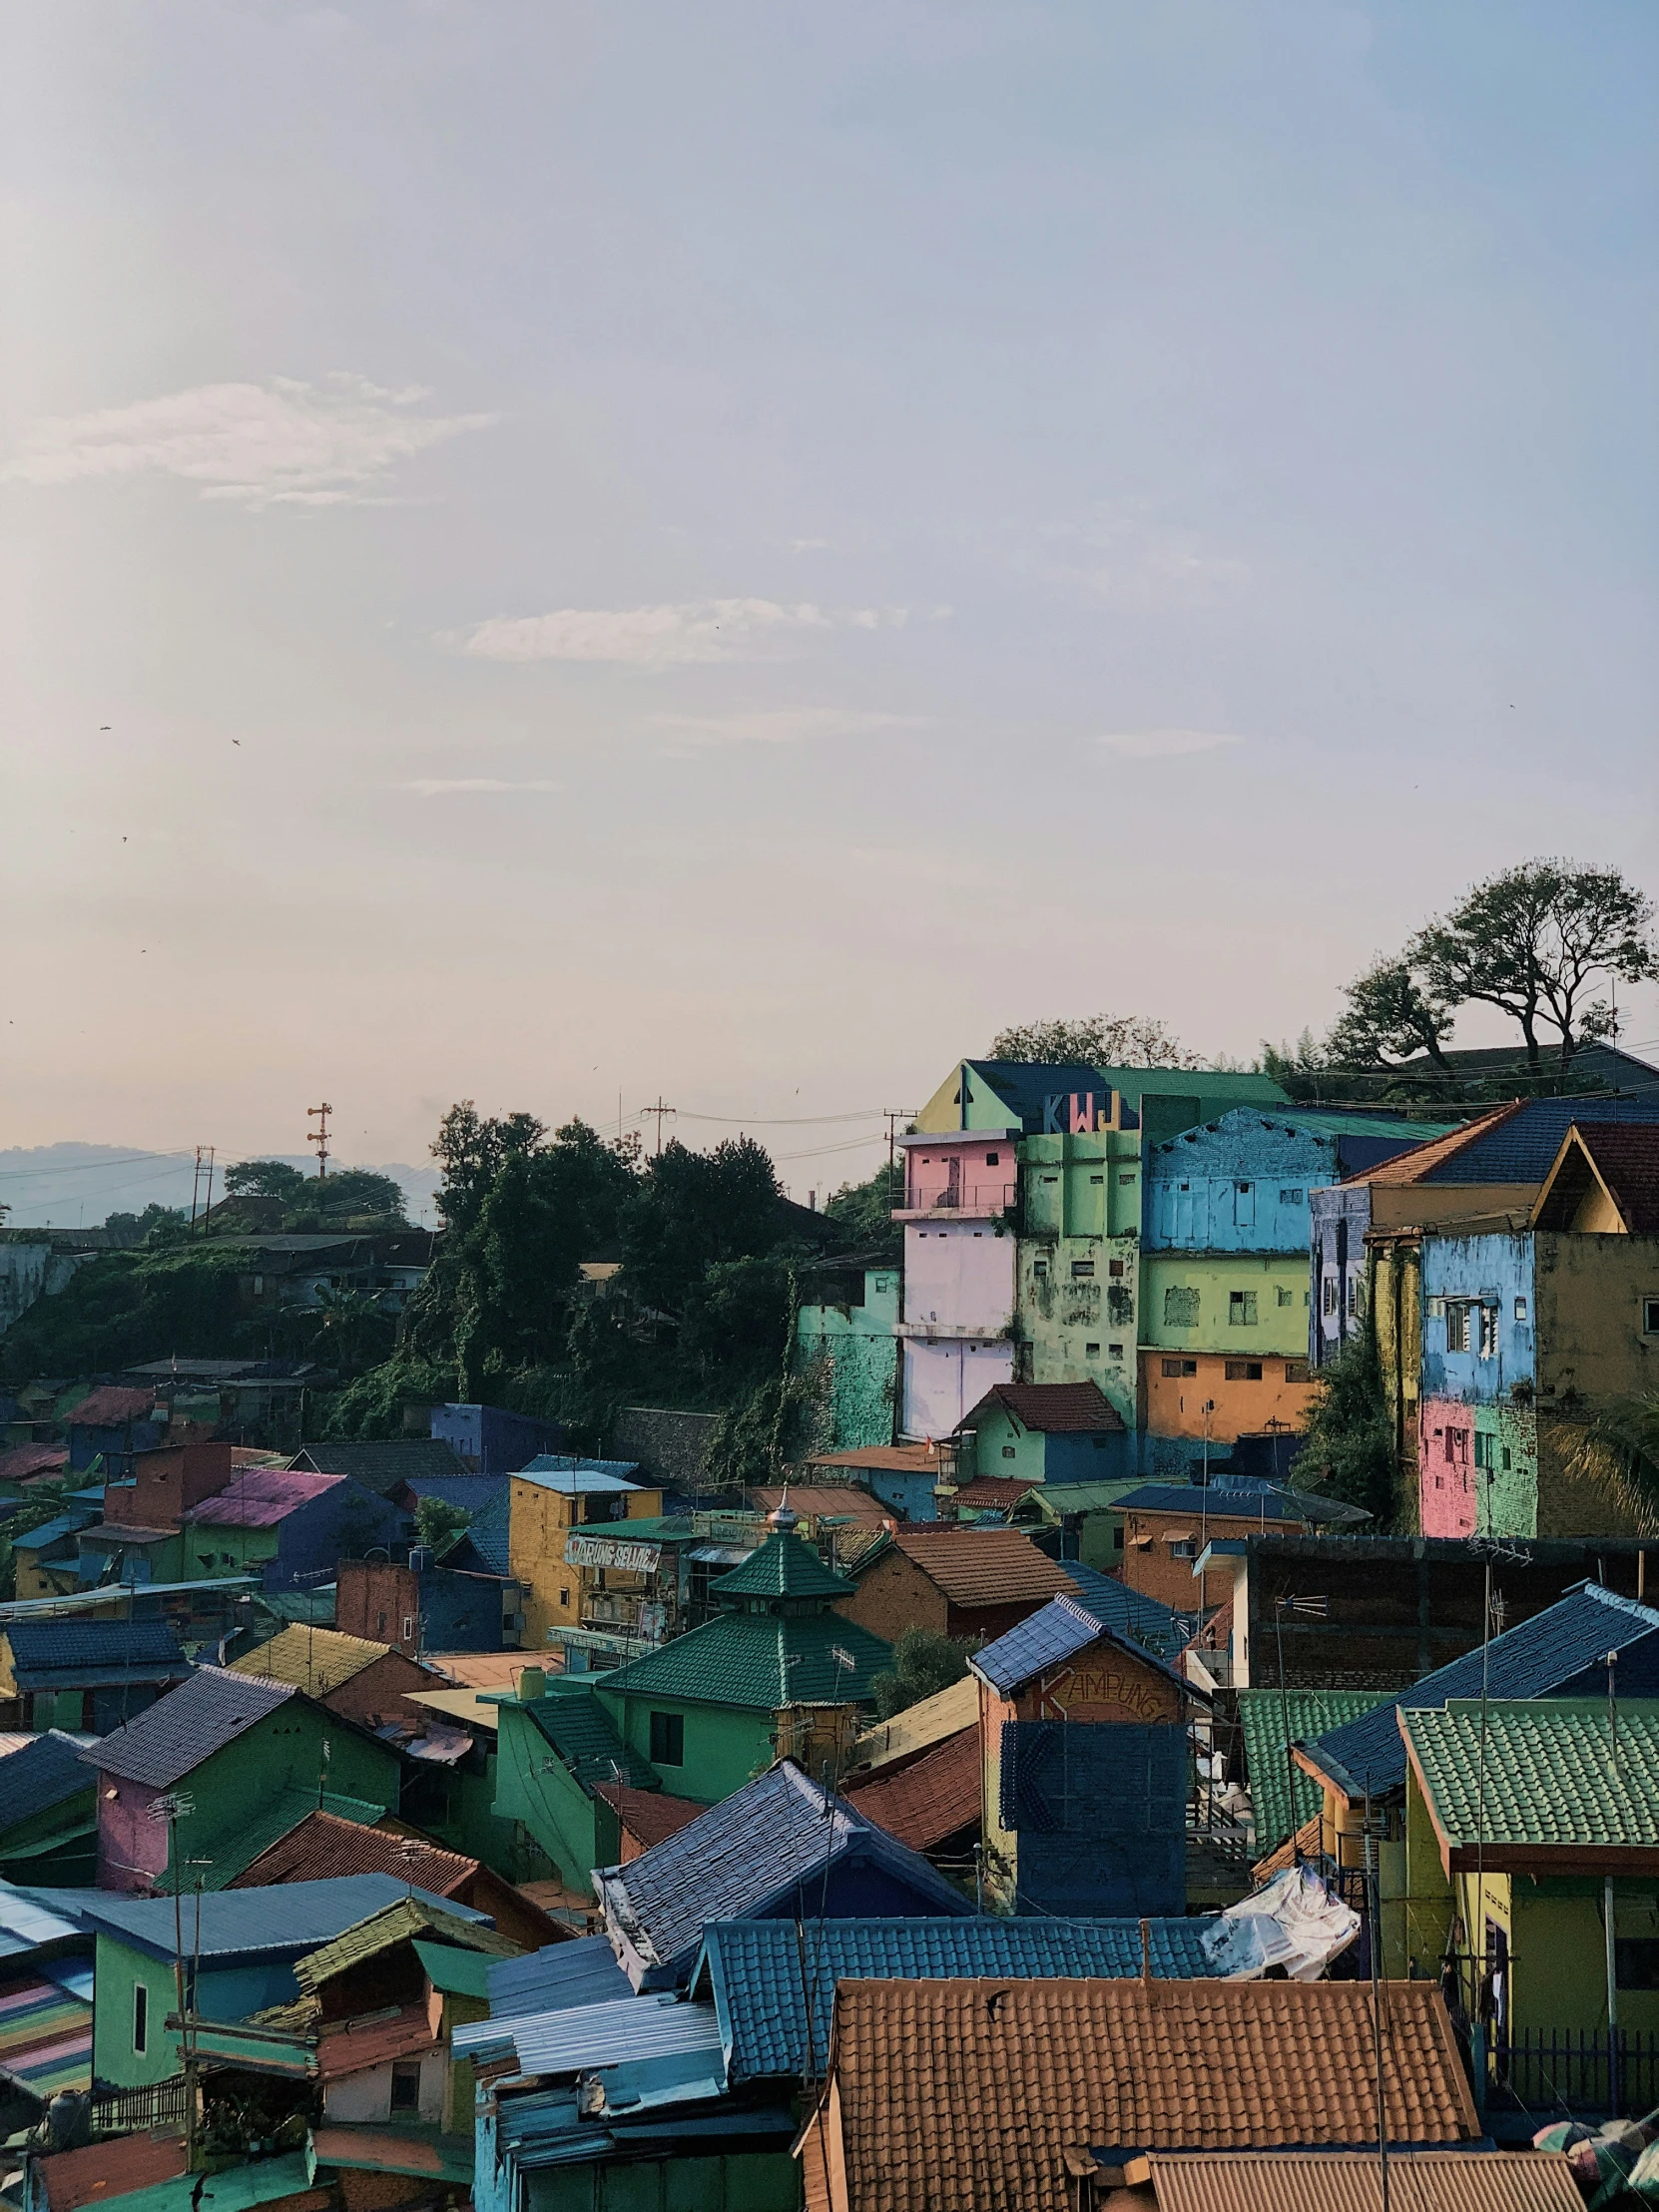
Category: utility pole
[893,1115]
[319,1135]
[204,1170]
[659,1110]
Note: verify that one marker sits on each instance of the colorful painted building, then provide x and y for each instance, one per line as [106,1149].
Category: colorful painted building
[955,1326]
[846,1351]
[1079,1278]
[550,1498]
[1047,1433]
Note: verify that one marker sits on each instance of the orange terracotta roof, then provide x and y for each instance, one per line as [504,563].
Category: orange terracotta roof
[994,1492]
[322,1847]
[1304,1844]
[983,1566]
[815,1499]
[897,1459]
[1351,2181]
[951,2097]
[924,1803]
[648,1816]
[1410,1167]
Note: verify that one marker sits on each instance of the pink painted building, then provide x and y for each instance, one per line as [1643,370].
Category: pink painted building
[956,1323]
[1445,1467]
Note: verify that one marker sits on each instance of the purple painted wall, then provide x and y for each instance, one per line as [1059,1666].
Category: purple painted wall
[132,1848]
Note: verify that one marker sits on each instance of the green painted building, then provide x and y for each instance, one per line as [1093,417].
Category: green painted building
[1527,1823]
[1075,1298]
[699,1717]
[846,1353]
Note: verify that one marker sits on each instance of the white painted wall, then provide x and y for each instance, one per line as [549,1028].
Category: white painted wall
[943,1381]
[959,1275]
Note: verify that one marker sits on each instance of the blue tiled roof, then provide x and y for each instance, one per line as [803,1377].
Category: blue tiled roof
[742,1856]
[1155,1627]
[1536,1658]
[487,1532]
[1062,1629]
[1243,1498]
[753,1969]
[583,1972]
[571,1478]
[95,1644]
[1524,1148]
[471,1492]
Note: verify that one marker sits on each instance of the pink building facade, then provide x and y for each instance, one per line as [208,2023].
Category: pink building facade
[957,1319]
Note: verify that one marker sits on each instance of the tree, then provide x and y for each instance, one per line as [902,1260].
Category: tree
[923,1663]
[264,1179]
[1534,942]
[438,1523]
[1615,1457]
[157,1225]
[693,1209]
[1348,1438]
[1096,1042]
[864,1210]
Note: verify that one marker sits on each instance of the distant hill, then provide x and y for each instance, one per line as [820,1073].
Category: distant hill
[75,1186]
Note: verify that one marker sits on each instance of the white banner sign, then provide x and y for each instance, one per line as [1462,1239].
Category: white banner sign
[611,1552]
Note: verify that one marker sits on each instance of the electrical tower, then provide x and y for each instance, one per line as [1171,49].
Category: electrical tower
[319,1135]
[660,1110]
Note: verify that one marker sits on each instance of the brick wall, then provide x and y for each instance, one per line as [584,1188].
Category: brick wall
[893,1595]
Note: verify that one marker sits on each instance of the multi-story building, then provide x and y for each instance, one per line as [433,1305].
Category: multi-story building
[1225,1291]
[847,1350]
[550,1498]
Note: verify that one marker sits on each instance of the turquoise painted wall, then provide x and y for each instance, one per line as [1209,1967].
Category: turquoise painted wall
[849,1358]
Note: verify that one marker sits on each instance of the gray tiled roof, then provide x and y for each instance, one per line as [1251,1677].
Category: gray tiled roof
[45,1773]
[384,1468]
[1523,1147]
[198,1718]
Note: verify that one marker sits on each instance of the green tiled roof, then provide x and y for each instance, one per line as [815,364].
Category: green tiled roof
[784,1566]
[1548,1775]
[579,1729]
[759,1662]
[229,1851]
[1262,1714]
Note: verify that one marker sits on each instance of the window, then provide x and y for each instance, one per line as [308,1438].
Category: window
[1010,1451]
[1183,1548]
[1520,1309]
[1483,1448]
[1488,1331]
[406,2086]
[1082,1271]
[1327,1297]
[1091,1352]
[1176,1368]
[1097,1179]
[1636,1962]
[1241,1308]
[1039,1269]
[380,1625]
[1285,1296]
[1114,1352]
[1352,1297]
[408,1627]
[994,1159]
[1290,1198]
[1114,1267]
[1456,1328]
[668,1739]
[564,1599]
[1458,1446]
[1125,1181]
[1181,1307]
[258,1286]
[140,2019]
[1650,1316]
[1244,1370]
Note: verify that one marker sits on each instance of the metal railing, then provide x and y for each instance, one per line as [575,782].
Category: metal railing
[968,1198]
[1551,2070]
[127,2111]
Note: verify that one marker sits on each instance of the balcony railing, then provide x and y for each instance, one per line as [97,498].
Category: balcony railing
[964,1198]
[1552,2070]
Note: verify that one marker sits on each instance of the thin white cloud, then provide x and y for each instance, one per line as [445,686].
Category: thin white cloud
[666,636]
[778,725]
[1164,744]
[445,787]
[281,443]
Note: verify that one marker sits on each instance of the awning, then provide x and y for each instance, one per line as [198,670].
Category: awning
[1179,1535]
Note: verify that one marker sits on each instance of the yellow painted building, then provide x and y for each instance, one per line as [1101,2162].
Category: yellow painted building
[548,1502]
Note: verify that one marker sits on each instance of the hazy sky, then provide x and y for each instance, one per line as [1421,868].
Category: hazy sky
[733,549]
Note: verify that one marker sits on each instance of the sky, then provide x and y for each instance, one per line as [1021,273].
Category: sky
[572,555]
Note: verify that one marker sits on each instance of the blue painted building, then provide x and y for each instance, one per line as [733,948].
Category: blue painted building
[110,1425]
[1477,1456]
[488,1440]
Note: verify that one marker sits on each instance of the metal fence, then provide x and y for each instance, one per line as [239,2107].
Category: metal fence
[125,2111]
[1560,2070]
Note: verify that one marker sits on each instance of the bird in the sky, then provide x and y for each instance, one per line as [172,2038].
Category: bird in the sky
[124,840]
[235,741]
[103,725]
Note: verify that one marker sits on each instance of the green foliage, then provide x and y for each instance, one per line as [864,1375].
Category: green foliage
[737,1322]
[1094,1041]
[923,1663]
[750,1442]
[862,1212]
[273,1195]
[1534,942]
[372,1405]
[1349,1436]
[157,1225]
[1616,1456]
[125,1307]
[438,1523]
[693,1210]
[264,1179]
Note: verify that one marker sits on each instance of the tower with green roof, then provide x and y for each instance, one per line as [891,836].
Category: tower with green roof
[775,1671]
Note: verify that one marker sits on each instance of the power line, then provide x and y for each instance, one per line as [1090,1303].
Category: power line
[87,1167]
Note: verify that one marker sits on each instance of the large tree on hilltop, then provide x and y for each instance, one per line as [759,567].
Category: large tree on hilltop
[1094,1041]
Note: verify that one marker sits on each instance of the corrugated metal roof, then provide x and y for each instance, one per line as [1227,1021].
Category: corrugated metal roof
[124,2167]
[578,2036]
[753,1969]
[753,1848]
[237,2189]
[315,1660]
[1530,1660]
[385,1466]
[299,1916]
[50,1770]
[581,1971]
[456,1705]
[111,1406]
[53,1531]
[579,1479]
[1239,1499]
[177,1733]
[390,2150]
[1351,2181]
[45,2035]
[931,1721]
[260,1497]
[71,1643]
[460,1973]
